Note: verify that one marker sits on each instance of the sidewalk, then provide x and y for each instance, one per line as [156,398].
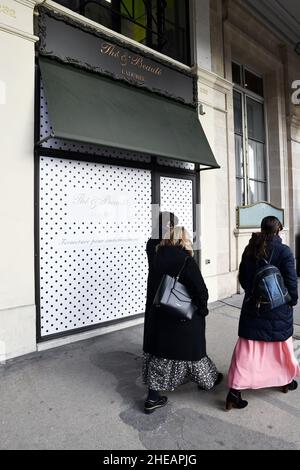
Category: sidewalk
[89,395]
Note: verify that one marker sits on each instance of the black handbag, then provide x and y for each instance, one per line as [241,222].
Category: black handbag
[174,297]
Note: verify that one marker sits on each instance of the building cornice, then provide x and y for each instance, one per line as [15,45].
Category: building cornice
[278,19]
[211,79]
[270,58]
[17,32]
[55,7]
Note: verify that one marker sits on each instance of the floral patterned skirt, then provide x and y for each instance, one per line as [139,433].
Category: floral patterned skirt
[167,374]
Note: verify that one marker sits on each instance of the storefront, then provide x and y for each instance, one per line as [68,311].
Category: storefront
[106,109]
[118,138]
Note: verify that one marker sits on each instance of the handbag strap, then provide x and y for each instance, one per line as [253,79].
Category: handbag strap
[182,268]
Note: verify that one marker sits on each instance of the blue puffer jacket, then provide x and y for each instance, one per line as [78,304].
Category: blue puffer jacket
[268,325]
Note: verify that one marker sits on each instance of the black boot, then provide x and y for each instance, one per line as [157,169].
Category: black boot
[234,400]
[291,386]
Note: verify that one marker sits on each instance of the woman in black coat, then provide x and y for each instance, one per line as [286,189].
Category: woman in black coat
[166,221]
[175,350]
[264,356]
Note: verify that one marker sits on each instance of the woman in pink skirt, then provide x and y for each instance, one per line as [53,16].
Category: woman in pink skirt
[264,356]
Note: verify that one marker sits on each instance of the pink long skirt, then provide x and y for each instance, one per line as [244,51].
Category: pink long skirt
[260,364]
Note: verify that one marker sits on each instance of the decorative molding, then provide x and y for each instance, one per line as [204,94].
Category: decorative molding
[270,57]
[17,32]
[278,18]
[83,21]
[213,80]
[215,108]
[6,10]
[243,232]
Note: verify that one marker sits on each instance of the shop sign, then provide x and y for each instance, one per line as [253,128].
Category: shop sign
[70,42]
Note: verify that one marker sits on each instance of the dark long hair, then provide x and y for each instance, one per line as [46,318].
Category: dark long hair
[270,227]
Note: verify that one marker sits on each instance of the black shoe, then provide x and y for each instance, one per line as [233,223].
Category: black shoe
[291,386]
[217,382]
[151,405]
[234,400]
[219,379]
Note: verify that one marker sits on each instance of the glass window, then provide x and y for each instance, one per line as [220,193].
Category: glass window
[134,20]
[254,83]
[240,192]
[257,192]
[255,120]
[256,160]
[250,154]
[238,114]
[159,24]
[236,73]
[100,12]
[239,157]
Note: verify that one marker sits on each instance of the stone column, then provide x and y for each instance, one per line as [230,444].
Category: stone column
[200,33]
[17,291]
[292,76]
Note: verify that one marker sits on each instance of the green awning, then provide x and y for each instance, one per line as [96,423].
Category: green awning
[89,108]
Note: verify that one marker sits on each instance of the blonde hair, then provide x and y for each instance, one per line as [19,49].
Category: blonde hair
[178,236]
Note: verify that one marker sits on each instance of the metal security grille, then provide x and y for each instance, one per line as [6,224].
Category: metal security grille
[176,195]
[94,223]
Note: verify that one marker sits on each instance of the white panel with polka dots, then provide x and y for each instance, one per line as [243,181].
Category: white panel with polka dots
[176,195]
[94,223]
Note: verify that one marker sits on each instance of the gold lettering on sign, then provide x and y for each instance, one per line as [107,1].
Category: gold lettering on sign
[125,59]
[110,49]
[128,73]
[7,11]
[138,61]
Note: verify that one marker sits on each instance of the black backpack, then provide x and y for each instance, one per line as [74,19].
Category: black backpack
[269,289]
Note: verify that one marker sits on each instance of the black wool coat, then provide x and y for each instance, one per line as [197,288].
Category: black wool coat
[164,336]
[151,249]
[265,324]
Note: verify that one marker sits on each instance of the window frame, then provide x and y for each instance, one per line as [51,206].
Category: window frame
[245,93]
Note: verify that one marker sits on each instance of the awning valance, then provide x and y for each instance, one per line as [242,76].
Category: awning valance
[89,108]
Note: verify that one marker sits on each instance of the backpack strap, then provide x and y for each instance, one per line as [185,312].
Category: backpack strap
[266,261]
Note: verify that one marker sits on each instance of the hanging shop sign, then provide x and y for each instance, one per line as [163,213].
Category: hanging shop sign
[70,42]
